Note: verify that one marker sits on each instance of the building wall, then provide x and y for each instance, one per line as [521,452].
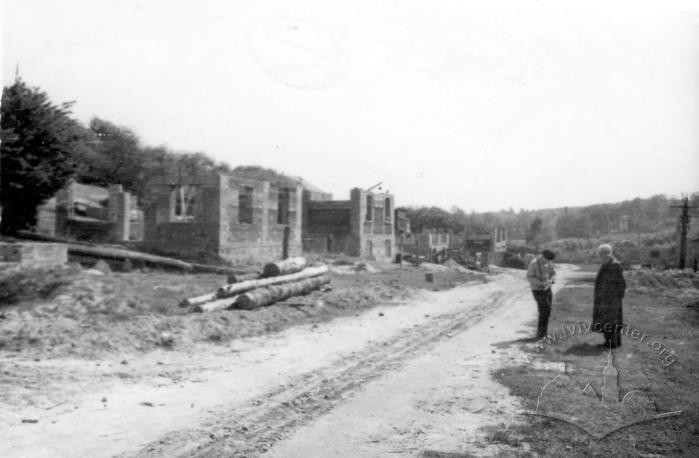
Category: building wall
[326,226]
[90,213]
[263,238]
[168,233]
[215,225]
[341,226]
[426,244]
[375,238]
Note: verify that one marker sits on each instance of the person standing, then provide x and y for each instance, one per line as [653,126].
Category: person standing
[541,276]
[609,291]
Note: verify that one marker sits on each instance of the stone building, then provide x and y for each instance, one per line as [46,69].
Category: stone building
[430,245]
[236,218]
[362,226]
[91,213]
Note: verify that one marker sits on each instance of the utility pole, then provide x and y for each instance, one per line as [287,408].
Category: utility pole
[684,230]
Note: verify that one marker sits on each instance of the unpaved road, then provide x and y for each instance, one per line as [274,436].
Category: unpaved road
[399,379]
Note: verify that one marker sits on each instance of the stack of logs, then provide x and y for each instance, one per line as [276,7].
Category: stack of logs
[278,281]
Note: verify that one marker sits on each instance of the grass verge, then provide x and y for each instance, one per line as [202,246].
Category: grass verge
[654,374]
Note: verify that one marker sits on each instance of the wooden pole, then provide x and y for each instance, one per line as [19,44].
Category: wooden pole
[271,294]
[195,301]
[287,266]
[242,287]
[213,306]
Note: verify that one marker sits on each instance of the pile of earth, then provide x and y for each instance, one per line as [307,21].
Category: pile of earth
[671,280]
[87,313]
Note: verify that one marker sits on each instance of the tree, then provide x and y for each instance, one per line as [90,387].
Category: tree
[534,232]
[39,140]
[115,157]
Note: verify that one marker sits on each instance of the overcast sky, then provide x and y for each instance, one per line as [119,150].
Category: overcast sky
[481,105]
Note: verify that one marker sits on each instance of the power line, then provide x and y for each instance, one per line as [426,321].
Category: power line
[684,230]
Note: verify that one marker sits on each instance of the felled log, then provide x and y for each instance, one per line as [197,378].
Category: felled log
[237,278]
[196,301]
[271,294]
[285,267]
[220,304]
[116,253]
[29,235]
[205,268]
[238,288]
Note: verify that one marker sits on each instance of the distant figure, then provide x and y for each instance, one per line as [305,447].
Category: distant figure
[609,291]
[541,276]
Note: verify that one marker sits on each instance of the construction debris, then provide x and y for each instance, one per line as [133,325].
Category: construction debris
[285,267]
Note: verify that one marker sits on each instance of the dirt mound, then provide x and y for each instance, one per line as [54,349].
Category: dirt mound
[91,314]
[359,266]
[645,280]
[31,284]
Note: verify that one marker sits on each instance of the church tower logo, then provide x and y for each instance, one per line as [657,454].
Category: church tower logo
[598,409]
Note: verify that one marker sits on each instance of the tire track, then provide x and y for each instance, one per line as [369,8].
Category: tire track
[254,427]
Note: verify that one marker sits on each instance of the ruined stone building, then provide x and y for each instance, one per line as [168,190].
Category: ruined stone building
[91,213]
[237,218]
[361,226]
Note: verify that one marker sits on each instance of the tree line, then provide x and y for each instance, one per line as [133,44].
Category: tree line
[633,218]
[43,147]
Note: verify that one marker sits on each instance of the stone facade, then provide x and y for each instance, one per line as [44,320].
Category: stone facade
[362,226]
[237,218]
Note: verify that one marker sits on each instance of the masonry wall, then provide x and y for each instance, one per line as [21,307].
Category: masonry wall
[219,225]
[263,237]
[327,226]
[167,234]
[374,238]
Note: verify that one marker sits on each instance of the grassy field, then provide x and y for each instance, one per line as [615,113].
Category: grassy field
[658,366]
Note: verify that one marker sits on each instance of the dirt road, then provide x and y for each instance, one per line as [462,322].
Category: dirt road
[400,379]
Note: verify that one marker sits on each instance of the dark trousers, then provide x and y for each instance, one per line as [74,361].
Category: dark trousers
[612,339]
[544,299]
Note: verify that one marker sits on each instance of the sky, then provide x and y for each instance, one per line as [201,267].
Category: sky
[481,105]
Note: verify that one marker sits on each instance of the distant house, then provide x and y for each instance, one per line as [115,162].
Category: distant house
[491,244]
[91,213]
[361,226]
[429,244]
[235,217]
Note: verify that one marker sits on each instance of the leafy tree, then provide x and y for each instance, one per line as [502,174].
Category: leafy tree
[39,140]
[534,232]
[115,158]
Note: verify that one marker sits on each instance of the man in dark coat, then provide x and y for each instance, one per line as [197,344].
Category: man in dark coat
[609,291]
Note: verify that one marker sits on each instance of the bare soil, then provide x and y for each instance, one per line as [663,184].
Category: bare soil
[240,395]
[88,314]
